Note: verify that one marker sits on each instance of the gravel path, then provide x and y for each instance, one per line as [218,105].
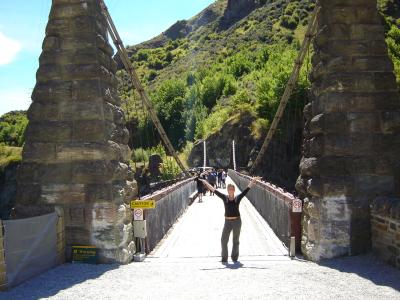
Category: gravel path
[186,266]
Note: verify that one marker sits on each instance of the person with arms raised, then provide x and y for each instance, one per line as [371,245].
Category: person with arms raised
[233,223]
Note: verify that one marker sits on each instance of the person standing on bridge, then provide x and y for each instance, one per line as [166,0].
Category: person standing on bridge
[200,186]
[232,218]
[223,179]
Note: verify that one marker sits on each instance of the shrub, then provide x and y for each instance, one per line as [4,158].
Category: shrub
[142,55]
[12,128]
[170,104]
[289,22]
[152,75]
[230,87]
[259,128]
[212,90]
[8,156]
[155,63]
[239,65]
[213,123]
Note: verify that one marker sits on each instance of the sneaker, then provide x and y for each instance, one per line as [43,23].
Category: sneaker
[224,260]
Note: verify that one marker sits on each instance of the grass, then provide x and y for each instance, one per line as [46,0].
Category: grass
[9,155]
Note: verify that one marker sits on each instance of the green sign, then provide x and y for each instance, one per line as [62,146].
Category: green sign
[84,254]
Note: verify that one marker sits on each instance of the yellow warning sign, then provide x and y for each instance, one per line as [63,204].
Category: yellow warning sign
[144,204]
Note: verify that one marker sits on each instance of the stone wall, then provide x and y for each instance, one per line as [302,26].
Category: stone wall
[76,154]
[351,137]
[385,229]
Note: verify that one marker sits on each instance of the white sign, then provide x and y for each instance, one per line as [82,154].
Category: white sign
[139,229]
[138,214]
[297,206]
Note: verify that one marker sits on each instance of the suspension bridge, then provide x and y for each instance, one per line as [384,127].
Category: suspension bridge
[76,165]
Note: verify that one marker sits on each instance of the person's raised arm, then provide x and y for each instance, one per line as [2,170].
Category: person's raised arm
[245,191]
[209,186]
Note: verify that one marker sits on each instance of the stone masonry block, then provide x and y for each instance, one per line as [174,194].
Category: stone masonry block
[52,92]
[84,152]
[355,102]
[89,131]
[63,194]
[39,152]
[349,15]
[48,132]
[92,172]
[390,122]
[72,10]
[98,192]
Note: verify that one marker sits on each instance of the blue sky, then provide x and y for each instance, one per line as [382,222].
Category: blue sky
[22,27]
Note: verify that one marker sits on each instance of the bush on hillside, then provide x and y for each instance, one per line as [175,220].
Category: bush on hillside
[12,128]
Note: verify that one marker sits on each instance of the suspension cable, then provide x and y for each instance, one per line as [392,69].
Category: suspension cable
[312,26]
[138,86]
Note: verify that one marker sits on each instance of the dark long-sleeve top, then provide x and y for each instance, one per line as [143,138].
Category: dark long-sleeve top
[199,183]
[232,207]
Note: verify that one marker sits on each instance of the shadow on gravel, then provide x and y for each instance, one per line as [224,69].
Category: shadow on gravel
[367,266]
[50,283]
[234,266]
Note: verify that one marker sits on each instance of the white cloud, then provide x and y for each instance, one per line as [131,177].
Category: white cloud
[9,49]
[18,99]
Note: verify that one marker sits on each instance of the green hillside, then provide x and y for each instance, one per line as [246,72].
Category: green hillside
[234,56]
[239,59]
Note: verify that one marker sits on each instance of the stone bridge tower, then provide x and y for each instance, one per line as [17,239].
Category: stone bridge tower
[352,133]
[76,154]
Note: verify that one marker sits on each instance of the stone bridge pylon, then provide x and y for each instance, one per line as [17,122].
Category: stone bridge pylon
[352,132]
[76,153]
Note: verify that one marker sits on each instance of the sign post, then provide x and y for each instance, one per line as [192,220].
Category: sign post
[139,224]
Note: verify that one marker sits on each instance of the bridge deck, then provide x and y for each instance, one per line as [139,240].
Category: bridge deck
[186,266]
[197,234]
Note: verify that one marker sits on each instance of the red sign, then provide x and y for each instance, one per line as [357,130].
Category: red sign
[138,214]
[297,206]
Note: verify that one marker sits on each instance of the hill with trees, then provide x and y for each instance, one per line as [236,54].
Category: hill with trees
[233,57]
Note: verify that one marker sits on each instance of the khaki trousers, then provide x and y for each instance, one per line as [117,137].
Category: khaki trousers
[235,226]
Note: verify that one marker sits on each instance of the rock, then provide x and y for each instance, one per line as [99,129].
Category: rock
[236,10]
[154,165]
[219,144]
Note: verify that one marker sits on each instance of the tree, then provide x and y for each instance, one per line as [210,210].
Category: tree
[12,128]
[170,102]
